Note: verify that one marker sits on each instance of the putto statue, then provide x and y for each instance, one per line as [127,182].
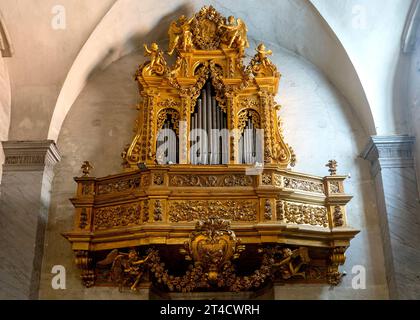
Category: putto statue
[180,35]
[126,268]
[207,30]
[157,63]
[235,35]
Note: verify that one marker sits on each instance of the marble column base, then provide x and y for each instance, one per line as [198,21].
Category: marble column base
[399,210]
[24,205]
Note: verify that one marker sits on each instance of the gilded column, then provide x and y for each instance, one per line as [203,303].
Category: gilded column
[232,125]
[152,98]
[184,129]
[266,121]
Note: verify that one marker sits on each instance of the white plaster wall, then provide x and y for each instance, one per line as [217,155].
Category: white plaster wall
[413,88]
[370,32]
[318,123]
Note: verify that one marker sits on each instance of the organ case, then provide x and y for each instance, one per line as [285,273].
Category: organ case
[207,179]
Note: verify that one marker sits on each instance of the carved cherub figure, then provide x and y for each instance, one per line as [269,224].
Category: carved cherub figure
[180,34]
[260,64]
[262,54]
[126,267]
[236,34]
[157,61]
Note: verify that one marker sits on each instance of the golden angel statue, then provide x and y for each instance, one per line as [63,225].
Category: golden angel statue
[180,34]
[235,34]
[157,61]
[127,268]
[262,54]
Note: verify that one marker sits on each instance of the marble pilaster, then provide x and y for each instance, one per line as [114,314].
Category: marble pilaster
[394,173]
[24,204]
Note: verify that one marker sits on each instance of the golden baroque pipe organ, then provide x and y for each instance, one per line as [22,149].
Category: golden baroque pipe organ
[207,200]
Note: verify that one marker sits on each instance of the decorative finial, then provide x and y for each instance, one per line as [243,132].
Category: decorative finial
[86,168]
[332,164]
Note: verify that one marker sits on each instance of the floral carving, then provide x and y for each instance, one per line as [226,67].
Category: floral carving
[338,217]
[158,179]
[280,210]
[206,29]
[87,189]
[189,210]
[117,216]
[299,213]
[266,179]
[303,185]
[268,212]
[158,211]
[118,186]
[277,179]
[334,187]
[191,180]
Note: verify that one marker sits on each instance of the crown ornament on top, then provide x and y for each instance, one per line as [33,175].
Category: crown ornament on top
[207,30]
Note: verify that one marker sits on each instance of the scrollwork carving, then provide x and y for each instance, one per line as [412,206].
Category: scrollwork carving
[189,210]
[268,211]
[158,179]
[118,186]
[303,185]
[337,258]
[158,211]
[334,187]
[84,262]
[266,179]
[191,180]
[117,216]
[338,217]
[299,213]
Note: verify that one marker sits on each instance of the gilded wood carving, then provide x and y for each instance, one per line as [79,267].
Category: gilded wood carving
[219,212]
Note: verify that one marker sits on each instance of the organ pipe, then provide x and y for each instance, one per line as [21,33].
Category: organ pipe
[208,117]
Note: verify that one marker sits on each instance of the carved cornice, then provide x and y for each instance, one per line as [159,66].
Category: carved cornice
[35,155]
[389,152]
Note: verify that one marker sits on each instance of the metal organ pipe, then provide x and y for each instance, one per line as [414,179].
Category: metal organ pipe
[210,120]
[199,126]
